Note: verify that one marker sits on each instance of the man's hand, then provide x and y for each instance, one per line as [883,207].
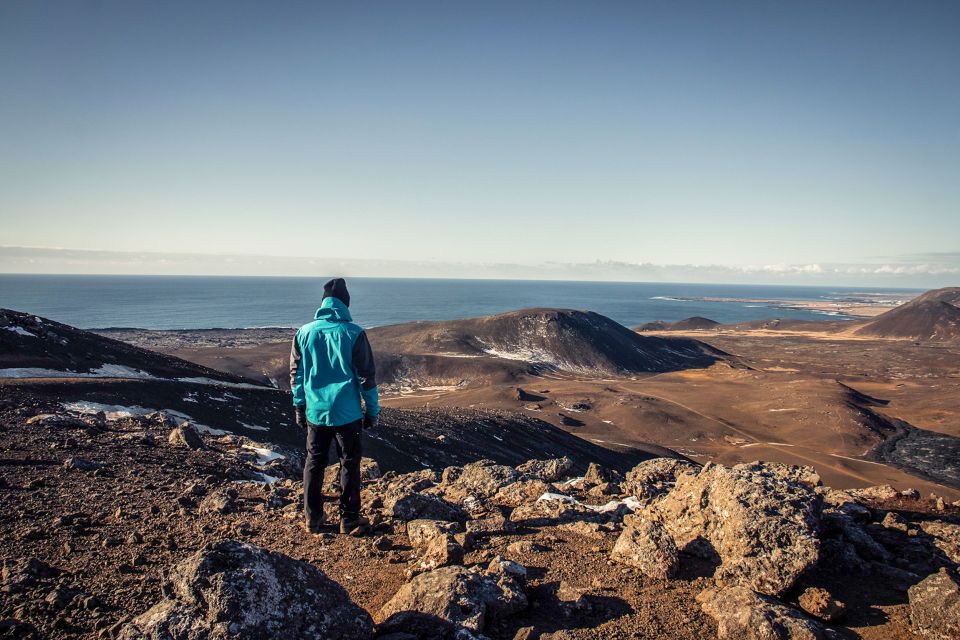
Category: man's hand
[370,422]
[300,416]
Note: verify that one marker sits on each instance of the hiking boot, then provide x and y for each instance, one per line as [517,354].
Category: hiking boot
[354,525]
[313,525]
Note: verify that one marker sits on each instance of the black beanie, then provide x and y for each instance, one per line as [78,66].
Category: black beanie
[337,288]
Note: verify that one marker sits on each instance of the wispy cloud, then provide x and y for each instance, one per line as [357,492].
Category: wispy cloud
[899,272]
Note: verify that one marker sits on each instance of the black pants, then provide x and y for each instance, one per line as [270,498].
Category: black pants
[349,452]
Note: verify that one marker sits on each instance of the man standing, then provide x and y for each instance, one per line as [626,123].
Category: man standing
[331,370]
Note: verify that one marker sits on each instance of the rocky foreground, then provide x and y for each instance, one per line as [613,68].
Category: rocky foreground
[141,527]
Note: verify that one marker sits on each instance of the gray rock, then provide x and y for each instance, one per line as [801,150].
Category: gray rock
[80,464]
[458,596]
[547,470]
[647,546]
[551,512]
[234,590]
[421,532]
[742,614]
[417,506]
[520,492]
[441,551]
[935,606]
[481,480]
[760,519]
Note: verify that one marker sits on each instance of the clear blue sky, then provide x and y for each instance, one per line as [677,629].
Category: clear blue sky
[677,133]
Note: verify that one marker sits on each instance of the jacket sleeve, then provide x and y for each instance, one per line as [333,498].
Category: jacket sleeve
[296,374]
[367,372]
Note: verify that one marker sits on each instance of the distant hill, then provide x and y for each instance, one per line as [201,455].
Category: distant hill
[688,324]
[36,347]
[935,316]
[46,366]
[579,342]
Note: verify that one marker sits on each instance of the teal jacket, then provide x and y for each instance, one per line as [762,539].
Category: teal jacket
[332,368]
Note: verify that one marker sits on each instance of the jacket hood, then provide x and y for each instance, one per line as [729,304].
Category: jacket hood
[332,310]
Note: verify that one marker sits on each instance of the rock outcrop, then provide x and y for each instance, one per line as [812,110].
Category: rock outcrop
[935,606]
[743,614]
[235,590]
[458,596]
[647,546]
[760,520]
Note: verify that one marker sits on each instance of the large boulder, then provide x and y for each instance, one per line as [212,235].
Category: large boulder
[460,597]
[520,492]
[935,606]
[481,480]
[230,589]
[656,476]
[552,509]
[760,519]
[421,506]
[742,614]
[647,546]
[550,470]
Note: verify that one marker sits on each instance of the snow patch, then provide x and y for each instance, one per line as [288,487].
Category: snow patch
[264,456]
[115,412]
[21,331]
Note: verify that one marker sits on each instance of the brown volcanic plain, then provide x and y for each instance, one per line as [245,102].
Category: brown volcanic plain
[866,402]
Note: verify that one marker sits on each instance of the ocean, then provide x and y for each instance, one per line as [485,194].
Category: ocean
[200,302]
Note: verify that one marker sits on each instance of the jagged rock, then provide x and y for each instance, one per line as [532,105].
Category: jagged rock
[554,510]
[459,596]
[597,475]
[742,614]
[420,532]
[819,603]
[236,590]
[893,521]
[520,492]
[503,567]
[420,506]
[481,479]
[441,551]
[491,524]
[945,536]
[855,537]
[935,606]
[880,493]
[647,546]
[547,470]
[657,475]
[185,436]
[759,518]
